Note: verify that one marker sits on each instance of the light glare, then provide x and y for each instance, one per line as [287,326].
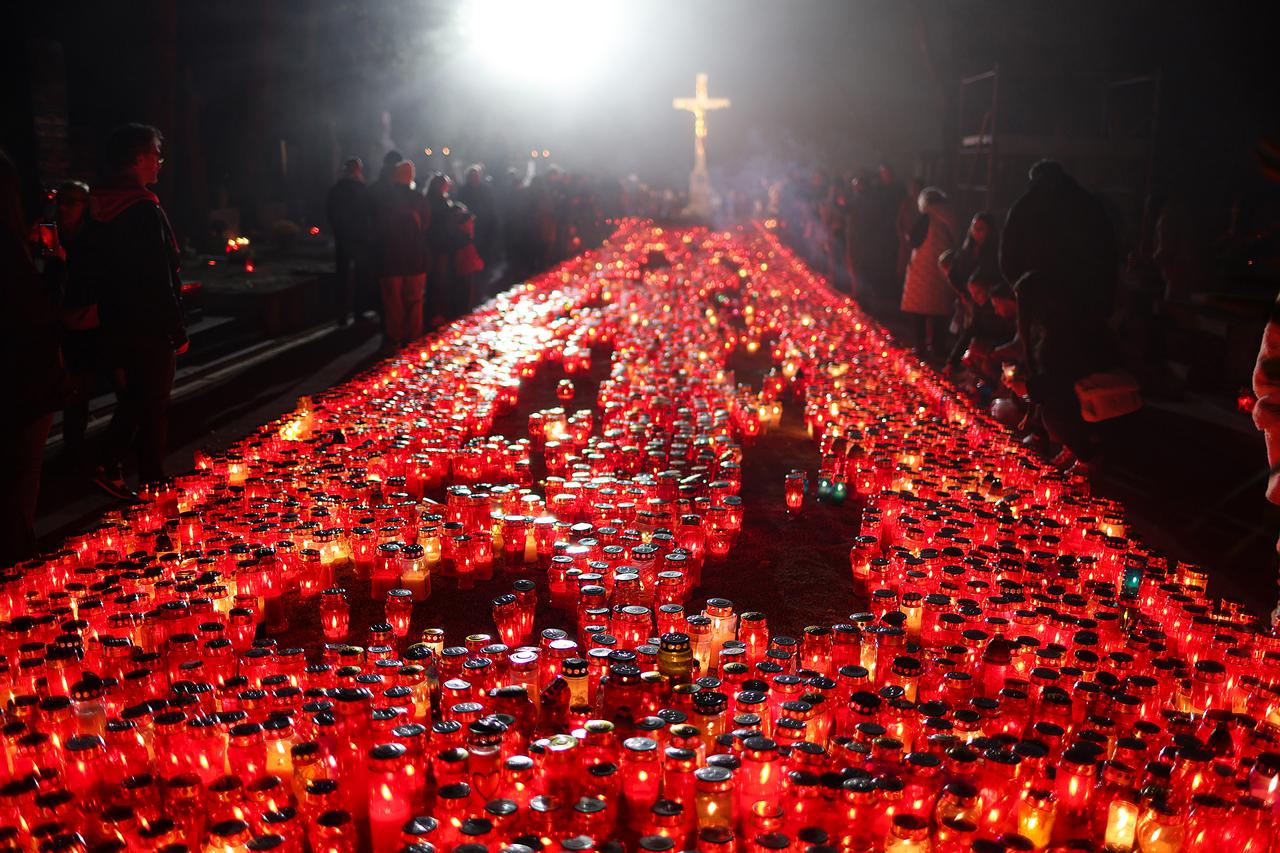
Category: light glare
[552,41]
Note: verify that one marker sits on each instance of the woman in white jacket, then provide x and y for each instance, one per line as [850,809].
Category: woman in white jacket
[926,291]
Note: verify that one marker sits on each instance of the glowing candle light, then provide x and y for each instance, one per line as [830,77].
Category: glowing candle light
[1122,824]
[641,776]
[389,806]
[415,573]
[335,614]
[794,488]
[1036,814]
[399,611]
[1160,829]
[1035,639]
[908,834]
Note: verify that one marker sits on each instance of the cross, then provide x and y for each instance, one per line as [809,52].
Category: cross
[700,105]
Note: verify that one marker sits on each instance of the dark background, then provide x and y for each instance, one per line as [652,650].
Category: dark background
[839,84]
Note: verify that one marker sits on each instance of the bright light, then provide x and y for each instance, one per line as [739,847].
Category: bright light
[426,151]
[444,151]
[538,43]
[546,153]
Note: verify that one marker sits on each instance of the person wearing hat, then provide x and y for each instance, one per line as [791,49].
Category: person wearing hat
[351,218]
[402,217]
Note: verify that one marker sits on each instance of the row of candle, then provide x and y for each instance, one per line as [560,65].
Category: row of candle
[1024,675]
[213,582]
[988,746]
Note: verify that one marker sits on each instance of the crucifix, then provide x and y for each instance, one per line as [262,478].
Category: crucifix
[699,181]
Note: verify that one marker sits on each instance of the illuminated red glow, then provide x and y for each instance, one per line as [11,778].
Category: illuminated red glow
[996,647]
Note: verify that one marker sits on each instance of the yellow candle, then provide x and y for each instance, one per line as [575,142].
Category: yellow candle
[1160,831]
[1122,824]
[1035,817]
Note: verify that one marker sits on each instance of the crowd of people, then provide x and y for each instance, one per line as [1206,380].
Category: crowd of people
[96,290]
[1017,311]
[93,293]
[432,250]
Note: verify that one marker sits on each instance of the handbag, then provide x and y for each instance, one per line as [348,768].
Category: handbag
[1108,394]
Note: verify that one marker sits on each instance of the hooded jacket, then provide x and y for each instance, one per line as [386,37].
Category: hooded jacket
[1060,229]
[134,257]
[926,289]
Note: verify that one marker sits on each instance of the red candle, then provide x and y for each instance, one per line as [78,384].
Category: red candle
[399,611]
[389,796]
[335,614]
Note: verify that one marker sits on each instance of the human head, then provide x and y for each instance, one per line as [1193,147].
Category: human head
[403,173]
[982,227]
[886,174]
[72,204]
[1046,171]
[928,196]
[1003,301]
[947,260]
[133,152]
[439,186]
[389,162]
[353,167]
[475,175]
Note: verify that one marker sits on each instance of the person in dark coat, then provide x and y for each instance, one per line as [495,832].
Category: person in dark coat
[402,219]
[512,198]
[134,255]
[973,270]
[859,239]
[385,185]
[992,327]
[880,265]
[387,174]
[1059,248]
[1061,346]
[351,218]
[32,367]
[446,237]
[81,332]
[835,212]
[1062,231]
[978,258]
[477,194]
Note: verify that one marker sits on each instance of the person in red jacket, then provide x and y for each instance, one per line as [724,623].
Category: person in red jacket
[401,216]
[134,255]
